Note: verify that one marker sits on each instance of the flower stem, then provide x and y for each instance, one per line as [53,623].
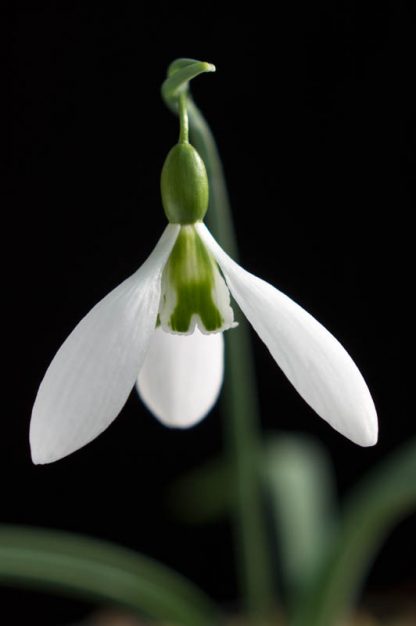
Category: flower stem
[183,119]
[242,433]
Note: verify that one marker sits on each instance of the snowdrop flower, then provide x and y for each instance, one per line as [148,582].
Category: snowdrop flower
[162,329]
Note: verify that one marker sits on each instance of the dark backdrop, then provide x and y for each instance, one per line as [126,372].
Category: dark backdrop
[311,112]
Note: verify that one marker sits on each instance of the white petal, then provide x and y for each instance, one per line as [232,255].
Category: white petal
[182,376]
[95,369]
[316,364]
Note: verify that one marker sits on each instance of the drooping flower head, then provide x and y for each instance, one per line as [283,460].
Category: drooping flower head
[162,330]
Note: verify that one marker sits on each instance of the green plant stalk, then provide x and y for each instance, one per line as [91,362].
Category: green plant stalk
[96,570]
[372,510]
[242,433]
[241,426]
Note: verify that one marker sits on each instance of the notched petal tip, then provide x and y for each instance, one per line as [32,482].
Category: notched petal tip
[40,456]
[49,445]
[368,436]
[37,458]
[369,441]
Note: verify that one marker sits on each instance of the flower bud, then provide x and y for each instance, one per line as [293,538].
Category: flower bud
[184,185]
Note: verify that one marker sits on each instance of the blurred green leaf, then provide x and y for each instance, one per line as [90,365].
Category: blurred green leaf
[298,477]
[382,499]
[203,494]
[96,570]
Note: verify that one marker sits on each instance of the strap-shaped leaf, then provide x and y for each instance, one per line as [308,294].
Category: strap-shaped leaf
[385,497]
[298,478]
[97,570]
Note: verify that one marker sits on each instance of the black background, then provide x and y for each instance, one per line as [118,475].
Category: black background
[310,108]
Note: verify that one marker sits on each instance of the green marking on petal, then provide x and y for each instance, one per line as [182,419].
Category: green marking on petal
[193,291]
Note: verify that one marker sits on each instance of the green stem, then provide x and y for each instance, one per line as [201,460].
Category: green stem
[219,214]
[242,432]
[183,119]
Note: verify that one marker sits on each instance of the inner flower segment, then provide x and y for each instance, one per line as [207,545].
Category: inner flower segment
[193,290]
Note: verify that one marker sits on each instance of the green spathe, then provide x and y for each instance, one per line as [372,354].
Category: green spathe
[193,290]
[184,185]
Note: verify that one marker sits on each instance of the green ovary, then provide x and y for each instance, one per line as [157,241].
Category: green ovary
[193,290]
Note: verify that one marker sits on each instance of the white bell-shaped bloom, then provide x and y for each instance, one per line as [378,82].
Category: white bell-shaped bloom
[162,329]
